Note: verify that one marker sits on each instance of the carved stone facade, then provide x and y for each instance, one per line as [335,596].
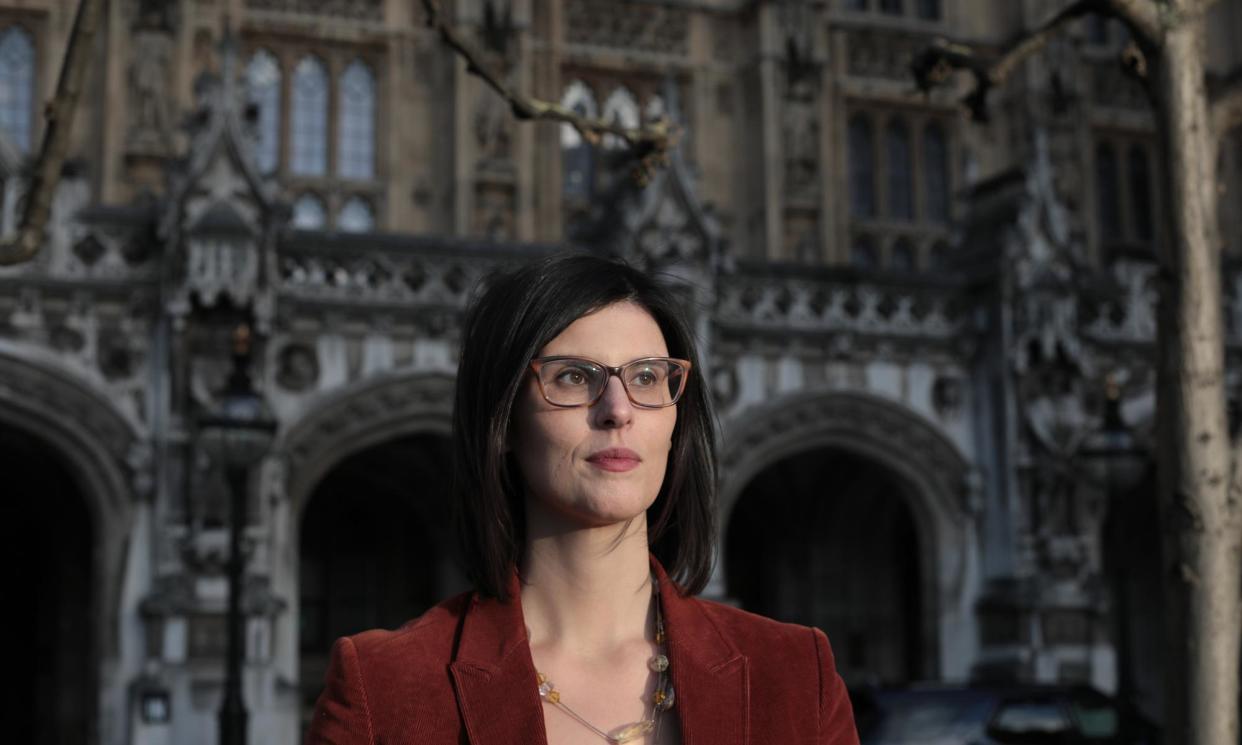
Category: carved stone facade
[988,364]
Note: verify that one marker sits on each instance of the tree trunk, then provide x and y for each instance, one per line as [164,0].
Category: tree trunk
[1201,519]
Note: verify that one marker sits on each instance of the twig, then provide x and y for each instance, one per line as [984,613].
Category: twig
[934,65]
[649,144]
[59,114]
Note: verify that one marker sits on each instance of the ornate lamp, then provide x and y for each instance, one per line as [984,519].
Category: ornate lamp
[236,433]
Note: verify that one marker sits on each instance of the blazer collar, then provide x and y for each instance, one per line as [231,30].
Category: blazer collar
[494,675]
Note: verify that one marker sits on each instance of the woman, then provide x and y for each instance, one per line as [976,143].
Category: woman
[585,485]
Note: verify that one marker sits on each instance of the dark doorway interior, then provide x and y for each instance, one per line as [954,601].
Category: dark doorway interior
[49,549]
[825,538]
[1132,566]
[374,548]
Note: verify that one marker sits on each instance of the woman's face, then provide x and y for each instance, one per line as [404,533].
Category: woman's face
[602,464]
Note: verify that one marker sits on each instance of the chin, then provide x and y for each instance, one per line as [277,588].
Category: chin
[600,510]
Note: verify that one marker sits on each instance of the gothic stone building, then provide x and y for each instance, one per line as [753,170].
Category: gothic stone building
[930,342]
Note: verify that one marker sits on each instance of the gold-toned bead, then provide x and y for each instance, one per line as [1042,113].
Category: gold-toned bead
[554,697]
[541,678]
[659,637]
[658,698]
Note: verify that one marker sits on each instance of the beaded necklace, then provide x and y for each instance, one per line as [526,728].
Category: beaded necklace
[661,700]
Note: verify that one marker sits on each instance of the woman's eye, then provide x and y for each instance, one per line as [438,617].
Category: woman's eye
[571,377]
[644,378]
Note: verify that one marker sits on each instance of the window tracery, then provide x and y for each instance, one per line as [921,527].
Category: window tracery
[309,125]
[17,86]
[356,122]
[263,82]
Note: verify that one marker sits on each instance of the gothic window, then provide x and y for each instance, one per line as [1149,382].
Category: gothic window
[856,4]
[619,108]
[897,148]
[356,123]
[308,213]
[263,89]
[654,109]
[1107,186]
[309,125]
[902,258]
[1097,29]
[577,156]
[17,86]
[936,173]
[929,10]
[892,7]
[862,167]
[356,216]
[863,254]
[1140,192]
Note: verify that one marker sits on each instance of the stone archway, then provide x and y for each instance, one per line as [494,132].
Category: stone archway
[360,550]
[938,489]
[356,417]
[48,414]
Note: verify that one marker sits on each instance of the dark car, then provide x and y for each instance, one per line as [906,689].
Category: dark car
[996,715]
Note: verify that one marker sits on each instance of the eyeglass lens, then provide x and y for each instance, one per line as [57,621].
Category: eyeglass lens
[575,382]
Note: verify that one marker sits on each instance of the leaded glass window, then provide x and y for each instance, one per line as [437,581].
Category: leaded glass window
[309,126]
[17,86]
[902,258]
[929,10]
[1107,189]
[863,253]
[263,88]
[356,216]
[620,108]
[1140,192]
[577,156]
[900,194]
[936,173]
[356,123]
[862,167]
[309,213]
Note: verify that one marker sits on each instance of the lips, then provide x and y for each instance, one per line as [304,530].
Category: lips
[615,459]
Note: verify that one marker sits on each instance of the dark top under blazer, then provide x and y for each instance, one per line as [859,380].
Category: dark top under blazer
[462,672]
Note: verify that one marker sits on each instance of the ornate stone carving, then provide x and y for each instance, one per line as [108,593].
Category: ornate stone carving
[632,26]
[297,367]
[882,54]
[355,10]
[875,427]
[151,58]
[831,305]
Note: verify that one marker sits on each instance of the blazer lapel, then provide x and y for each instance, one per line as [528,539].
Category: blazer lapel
[710,679]
[494,677]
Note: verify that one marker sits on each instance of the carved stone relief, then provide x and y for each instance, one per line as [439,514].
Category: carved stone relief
[356,10]
[632,26]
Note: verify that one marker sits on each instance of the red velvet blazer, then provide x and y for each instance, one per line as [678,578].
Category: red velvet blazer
[462,673]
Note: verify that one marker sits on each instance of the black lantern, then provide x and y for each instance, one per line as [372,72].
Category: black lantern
[236,433]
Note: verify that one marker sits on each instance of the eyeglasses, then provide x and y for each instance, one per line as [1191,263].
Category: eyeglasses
[649,382]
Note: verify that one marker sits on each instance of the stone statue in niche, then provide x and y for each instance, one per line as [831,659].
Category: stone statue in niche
[493,128]
[150,129]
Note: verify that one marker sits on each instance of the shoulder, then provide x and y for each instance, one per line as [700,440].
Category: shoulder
[756,635]
[427,640]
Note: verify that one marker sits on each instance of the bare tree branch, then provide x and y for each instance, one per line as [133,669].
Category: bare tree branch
[59,113]
[935,65]
[649,144]
[1142,16]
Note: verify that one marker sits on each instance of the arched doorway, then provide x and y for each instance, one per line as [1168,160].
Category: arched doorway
[1132,548]
[374,546]
[826,538]
[50,553]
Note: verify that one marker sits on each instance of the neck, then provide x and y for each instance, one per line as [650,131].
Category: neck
[585,589]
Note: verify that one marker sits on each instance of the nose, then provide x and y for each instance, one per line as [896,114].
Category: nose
[613,409]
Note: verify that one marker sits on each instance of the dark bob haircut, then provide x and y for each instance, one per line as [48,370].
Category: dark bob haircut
[514,317]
